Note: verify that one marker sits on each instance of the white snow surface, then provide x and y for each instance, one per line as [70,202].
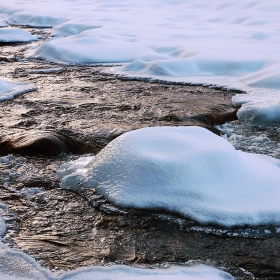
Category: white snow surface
[9,89]
[176,38]
[3,23]
[187,170]
[16,35]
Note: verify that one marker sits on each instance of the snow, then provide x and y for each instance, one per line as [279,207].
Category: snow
[194,39]
[3,23]
[2,226]
[186,170]
[9,89]
[16,35]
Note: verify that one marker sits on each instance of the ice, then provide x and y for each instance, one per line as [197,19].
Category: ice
[9,89]
[16,35]
[186,170]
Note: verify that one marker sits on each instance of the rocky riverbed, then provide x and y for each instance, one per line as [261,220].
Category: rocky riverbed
[79,110]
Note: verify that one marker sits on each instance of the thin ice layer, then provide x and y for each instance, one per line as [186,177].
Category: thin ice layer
[9,89]
[16,35]
[187,170]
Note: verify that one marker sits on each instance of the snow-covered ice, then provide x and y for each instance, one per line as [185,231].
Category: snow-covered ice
[9,89]
[16,35]
[187,170]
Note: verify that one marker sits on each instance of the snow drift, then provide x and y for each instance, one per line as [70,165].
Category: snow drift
[187,170]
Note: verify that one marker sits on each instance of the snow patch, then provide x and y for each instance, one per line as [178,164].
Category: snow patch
[3,24]
[9,89]
[16,35]
[187,170]
[73,27]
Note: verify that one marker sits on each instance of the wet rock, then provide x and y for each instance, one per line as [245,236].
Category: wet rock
[49,143]
[7,59]
[218,115]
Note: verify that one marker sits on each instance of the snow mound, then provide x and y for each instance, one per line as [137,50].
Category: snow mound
[89,47]
[73,27]
[8,89]
[14,35]
[187,170]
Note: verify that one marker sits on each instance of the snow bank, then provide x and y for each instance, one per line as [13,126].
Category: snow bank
[16,35]
[89,47]
[187,170]
[9,89]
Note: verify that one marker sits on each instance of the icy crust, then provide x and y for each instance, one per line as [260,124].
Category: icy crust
[260,108]
[16,35]
[8,89]
[187,170]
